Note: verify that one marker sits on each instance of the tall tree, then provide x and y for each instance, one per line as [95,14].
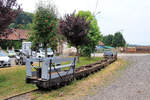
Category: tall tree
[118,40]
[93,36]
[107,40]
[44,26]
[9,9]
[75,29]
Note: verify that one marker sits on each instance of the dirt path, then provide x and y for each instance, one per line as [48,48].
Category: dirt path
[133,84]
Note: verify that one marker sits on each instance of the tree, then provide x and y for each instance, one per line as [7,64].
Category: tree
[118,40]
[9,9]
[93,36]
[107,40]
[75,29]
[44,26]
[24,19]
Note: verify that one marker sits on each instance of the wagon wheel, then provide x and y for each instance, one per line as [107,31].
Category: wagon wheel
[17,63]
[1,64]
[40,87]
[21,61]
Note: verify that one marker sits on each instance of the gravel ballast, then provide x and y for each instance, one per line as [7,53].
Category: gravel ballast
[133,84]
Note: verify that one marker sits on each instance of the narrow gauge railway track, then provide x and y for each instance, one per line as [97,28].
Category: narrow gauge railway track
[81,72]
[15,97]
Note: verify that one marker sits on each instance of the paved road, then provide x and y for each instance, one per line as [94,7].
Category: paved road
[133,84]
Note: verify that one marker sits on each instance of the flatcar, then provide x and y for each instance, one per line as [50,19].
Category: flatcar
[46,73]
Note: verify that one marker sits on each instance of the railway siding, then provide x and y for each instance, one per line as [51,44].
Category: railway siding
[92,69]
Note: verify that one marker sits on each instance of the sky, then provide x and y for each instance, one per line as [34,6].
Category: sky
[131,17]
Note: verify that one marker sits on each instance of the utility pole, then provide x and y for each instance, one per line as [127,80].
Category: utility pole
[95,7]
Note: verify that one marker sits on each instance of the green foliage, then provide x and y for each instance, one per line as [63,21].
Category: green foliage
[23,21]
[24,18]
[118,40]
[12,25]
[20,26]
[107,40]
[93,36]
[28,26]
[16,44]
[44,27]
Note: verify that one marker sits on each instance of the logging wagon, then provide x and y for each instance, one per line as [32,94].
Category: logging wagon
[58,71]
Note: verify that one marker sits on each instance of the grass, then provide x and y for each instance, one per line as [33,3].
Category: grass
[86,61]
[12,79]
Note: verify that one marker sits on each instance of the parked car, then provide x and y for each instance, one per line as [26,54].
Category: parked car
[4,60]
[17,51]
[41,52]
[108,54]
[20,58]
[11,53]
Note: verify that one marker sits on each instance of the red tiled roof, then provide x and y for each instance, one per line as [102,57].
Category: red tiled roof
[16,34]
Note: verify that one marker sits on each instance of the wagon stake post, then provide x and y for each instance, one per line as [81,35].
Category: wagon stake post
[74,64]
[50,68]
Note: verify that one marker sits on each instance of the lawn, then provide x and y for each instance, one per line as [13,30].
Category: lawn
[86,61]
[12,79]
